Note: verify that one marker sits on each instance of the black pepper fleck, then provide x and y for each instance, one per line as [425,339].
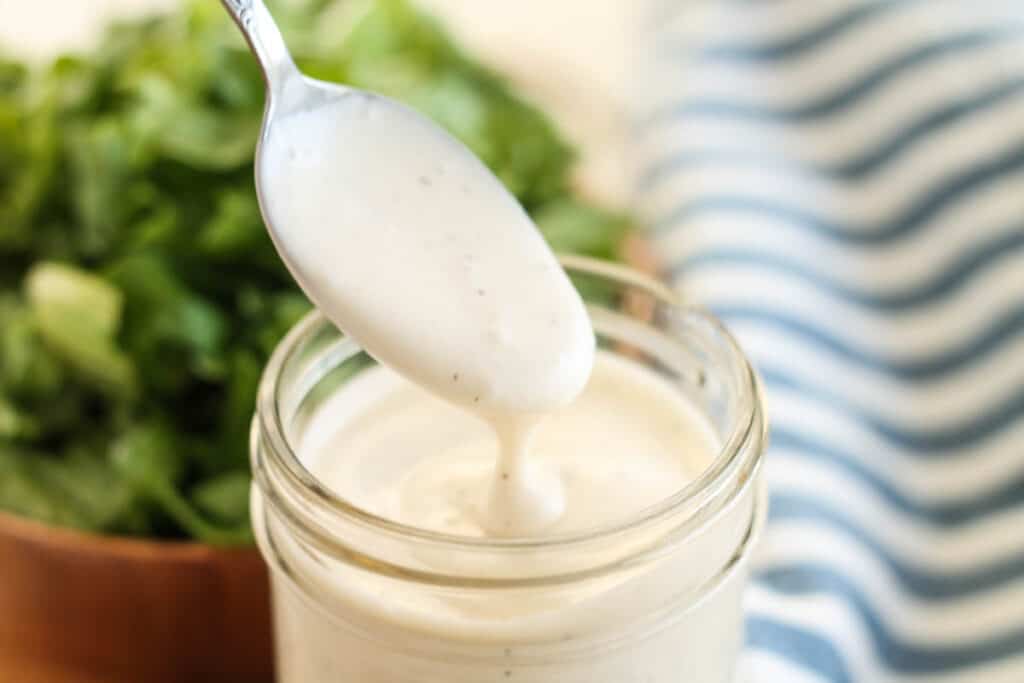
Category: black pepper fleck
[508,674]
[455,377]
[425,181]
[480,292]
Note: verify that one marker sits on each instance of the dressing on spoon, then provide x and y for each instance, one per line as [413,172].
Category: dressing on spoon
[408,243]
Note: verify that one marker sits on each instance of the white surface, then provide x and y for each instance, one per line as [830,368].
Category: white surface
[572,56]
[42,27]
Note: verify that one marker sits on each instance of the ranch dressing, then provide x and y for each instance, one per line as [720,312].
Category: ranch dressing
[406,241]
[417,460]
[384,563]
[496,500]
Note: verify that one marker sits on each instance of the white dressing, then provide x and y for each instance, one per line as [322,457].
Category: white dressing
[629,441]
[408,243]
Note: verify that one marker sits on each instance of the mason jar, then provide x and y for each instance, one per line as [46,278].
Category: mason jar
[656,598]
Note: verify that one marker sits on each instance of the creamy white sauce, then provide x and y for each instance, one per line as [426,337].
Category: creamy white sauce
[630,440]
[488,418]
[409,244]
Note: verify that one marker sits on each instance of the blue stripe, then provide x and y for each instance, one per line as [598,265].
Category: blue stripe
[856,168]
[949,515]
[844,97]
[808,650]
[927,442]
[808,41]
[897,655]
[943,194]
[1003,330]
[977,257]
[922,220]
[924,584]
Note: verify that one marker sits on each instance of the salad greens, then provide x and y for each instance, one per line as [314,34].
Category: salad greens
[139,293]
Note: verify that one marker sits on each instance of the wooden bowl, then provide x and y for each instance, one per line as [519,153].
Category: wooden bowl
[79,608]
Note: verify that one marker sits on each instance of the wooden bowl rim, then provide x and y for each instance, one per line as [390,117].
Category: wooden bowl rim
[126,547]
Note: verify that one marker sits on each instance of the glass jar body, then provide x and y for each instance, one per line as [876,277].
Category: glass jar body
[657,599]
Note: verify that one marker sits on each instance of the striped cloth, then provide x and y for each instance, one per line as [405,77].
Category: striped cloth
[842,181]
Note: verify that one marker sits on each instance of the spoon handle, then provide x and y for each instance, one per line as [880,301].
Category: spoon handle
[264,38]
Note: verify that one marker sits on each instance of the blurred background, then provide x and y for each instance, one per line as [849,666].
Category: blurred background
[842,182]
[576,64]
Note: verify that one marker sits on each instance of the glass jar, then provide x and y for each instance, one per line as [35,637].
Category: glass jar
[655,598]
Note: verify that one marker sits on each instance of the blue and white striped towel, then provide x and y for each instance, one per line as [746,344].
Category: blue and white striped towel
[842,181]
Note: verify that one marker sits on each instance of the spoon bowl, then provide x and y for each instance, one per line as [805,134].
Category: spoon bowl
[403,238]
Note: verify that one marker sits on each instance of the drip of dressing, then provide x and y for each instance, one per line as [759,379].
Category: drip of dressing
[629,440]
[409,244]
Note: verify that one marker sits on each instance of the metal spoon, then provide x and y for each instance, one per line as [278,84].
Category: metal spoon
[287,88]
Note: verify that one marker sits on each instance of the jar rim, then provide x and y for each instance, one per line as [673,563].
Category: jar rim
[734,454]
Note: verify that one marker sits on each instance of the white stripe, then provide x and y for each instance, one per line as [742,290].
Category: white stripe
[835,621]
[938,149]
[947,623]
[990,212]
[760,666]
[964,396]
[800,80]
[861,276]
[916,334]
[747,23]
[879,197]
[788,462]
[834,139]
[958,475]
[991,540]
